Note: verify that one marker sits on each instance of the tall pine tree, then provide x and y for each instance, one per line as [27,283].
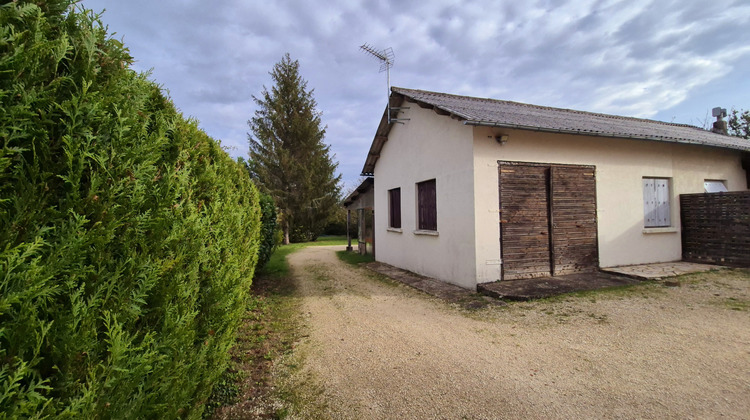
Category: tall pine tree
[288,158]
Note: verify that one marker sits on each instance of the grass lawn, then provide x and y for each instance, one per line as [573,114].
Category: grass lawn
[354,258]
[277,265]
[330,240]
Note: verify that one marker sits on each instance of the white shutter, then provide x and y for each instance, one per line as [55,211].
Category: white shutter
[662,202]
[649,202]
[656,209]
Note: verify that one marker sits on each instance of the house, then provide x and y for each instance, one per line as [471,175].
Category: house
[471,190]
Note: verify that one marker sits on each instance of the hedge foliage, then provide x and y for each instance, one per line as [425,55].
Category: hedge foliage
[128,237]
[269,231]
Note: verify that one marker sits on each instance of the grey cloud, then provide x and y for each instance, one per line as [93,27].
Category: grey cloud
[602,57]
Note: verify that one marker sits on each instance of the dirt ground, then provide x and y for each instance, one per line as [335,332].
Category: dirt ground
[380,350]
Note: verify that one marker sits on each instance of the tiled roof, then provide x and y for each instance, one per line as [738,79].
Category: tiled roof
[365,186]
[497,113]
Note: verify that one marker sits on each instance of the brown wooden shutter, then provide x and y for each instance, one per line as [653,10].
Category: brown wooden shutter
[427,199]
[394,215]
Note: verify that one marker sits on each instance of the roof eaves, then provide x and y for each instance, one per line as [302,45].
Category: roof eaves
[424,102]
[381,136]
[439,109]
[602,134]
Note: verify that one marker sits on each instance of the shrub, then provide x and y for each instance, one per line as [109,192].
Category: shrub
[128,238]
[299,234]
[337,225]
[270,235]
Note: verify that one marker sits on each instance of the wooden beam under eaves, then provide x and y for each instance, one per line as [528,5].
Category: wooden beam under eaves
[381,139]
[440,111]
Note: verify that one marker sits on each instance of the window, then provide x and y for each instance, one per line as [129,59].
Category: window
[656,197]
[427,205]
[714,186]
[394,208]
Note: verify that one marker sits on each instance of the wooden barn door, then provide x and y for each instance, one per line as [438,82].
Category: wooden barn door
[524,221]
[547,219]
[573,239]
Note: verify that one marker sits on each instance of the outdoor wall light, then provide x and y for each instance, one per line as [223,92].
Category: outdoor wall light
[502,139]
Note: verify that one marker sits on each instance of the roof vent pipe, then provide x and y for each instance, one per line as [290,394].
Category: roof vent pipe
[720,126]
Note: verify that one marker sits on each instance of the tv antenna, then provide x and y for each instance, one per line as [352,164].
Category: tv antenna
[386,59]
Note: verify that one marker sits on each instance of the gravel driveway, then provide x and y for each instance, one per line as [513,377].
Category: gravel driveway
[379,350]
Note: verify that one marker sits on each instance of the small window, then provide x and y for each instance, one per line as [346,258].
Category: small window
[656,202]
[427,205]
[394,208]
[714,186]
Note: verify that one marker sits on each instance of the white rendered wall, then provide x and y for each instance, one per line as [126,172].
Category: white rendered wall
[620,167]
[426,147]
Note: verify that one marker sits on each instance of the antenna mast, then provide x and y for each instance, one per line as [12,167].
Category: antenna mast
[386,58]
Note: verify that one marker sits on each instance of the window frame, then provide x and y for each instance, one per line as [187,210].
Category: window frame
[657,202]
[427,205]
[394,208]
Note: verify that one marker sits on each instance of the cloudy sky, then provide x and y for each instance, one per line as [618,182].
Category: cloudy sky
[670,60]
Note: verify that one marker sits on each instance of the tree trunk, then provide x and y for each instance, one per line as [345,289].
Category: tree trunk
[286,232]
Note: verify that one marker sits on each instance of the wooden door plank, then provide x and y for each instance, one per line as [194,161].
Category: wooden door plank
[551,218]
[574,213]
[524,215]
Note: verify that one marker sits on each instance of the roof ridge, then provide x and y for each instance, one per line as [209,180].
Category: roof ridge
[545,107]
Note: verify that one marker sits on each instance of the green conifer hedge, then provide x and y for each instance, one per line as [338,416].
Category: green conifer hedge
[128,237]
[269,230]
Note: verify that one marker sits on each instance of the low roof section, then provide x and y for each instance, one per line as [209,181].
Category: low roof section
[359,198]
[516,115]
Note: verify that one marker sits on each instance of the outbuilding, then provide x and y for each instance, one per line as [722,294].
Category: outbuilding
[361,201]
[470,190]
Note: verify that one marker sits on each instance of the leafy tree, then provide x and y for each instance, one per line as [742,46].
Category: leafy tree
[288,158]
[739,124]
